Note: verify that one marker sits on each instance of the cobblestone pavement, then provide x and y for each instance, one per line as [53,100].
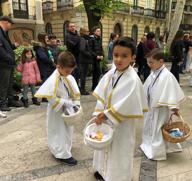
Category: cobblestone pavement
[24,154]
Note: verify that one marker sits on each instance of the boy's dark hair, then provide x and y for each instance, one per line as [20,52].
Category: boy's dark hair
[126,42]
[66,59]
[52,36]
[157,54]
[23,56]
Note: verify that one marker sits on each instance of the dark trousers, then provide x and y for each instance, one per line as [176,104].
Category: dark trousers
[76,74]
[175,70]
[96,73]
[6,84]
[146,71]
[83,75]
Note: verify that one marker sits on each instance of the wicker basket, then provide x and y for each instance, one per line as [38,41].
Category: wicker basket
[183,126]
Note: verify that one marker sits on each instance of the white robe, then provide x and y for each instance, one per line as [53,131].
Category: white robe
[165,94]
[59,96]
[123,105]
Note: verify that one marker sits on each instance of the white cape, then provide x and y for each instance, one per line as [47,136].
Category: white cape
[165,95]
[59,134]
[123,105]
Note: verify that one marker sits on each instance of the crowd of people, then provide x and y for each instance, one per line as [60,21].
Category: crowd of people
[62,76]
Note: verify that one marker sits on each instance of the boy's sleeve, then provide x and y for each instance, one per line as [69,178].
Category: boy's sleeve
[57,103]
[98,108]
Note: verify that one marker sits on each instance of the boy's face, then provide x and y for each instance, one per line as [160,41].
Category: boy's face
[53,41]
[64,71]
[122,57]
[154,64]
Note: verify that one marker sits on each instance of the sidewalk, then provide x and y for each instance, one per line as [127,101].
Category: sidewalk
[24,154]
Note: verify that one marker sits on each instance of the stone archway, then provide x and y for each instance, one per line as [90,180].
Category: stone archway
[134,33]
[118,29]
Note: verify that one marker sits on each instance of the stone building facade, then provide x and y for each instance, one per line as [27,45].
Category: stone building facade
[135,18]
[27,16]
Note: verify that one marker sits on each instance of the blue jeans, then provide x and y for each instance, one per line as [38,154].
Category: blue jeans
[26,88]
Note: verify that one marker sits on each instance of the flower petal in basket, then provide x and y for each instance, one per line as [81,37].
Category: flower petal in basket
[96,144]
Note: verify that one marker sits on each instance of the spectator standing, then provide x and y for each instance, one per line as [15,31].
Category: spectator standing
[30,75]
[140,56]
[85,58]
[161,42]
[7,65]
[176,51]
[53,47]
[97,54]
[149,45]
[44,61]
[187,43]
[73,43]
[113,37]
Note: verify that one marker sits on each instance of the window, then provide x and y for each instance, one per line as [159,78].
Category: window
[65,28]
[118,29]
[135,3]
[134,33]
[160,5]
[20,9]
[48,28]
[149,4]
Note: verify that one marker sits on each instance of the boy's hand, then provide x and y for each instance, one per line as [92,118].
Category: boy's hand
[100,118]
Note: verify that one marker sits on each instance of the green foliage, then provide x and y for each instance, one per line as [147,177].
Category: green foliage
[62,48]
[105,7]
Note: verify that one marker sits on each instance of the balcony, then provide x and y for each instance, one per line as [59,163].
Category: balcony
[64,4]
[149,12]
[160,14]
[123,9]
[186,27]
[137,10]
[47,6]
[188,9]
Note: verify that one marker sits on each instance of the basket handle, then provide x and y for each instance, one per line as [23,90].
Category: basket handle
[178,115]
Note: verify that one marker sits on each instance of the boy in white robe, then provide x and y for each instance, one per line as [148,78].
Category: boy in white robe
[121,101]
[62,92]
[164,97]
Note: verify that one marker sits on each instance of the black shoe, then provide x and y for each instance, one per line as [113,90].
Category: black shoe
[14,103]
[44,100]
[98,176]
[69,161]
[4,108]
[35,101]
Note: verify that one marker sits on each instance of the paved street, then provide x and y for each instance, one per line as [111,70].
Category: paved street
[24,154]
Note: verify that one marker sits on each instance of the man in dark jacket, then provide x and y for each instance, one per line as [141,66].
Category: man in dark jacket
[7,65]
[73,43]
[97,54]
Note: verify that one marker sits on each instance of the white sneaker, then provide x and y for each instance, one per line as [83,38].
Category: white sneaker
[3,115]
